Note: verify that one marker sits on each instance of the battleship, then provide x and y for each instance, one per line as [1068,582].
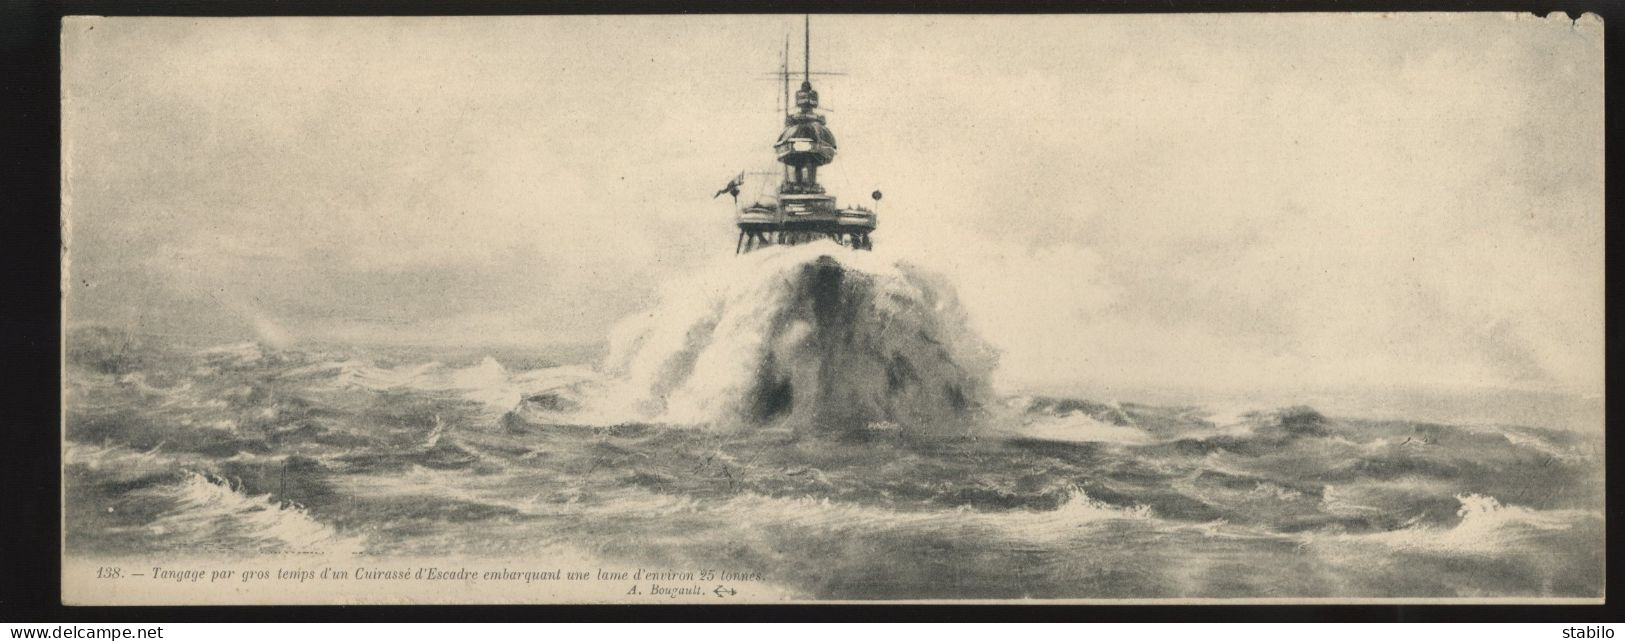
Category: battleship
[1104,407]
[798,209]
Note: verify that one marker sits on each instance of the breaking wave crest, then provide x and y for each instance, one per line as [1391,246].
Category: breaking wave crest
[207,512]
[1486,527]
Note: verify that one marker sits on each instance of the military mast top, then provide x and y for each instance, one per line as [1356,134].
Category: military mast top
[806,143]
[802,212]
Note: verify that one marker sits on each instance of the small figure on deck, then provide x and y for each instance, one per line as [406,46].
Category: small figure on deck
[733,188]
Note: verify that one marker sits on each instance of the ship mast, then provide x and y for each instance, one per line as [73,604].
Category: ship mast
[803,211]
[784,73]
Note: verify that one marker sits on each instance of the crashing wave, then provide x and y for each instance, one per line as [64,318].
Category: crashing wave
[811,337]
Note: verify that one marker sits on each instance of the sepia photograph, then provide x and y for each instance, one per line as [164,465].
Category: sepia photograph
[785,308]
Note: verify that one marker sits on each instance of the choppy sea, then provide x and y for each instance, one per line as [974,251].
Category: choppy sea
[827,423]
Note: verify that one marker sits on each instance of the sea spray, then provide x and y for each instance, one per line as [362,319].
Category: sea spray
[813,337]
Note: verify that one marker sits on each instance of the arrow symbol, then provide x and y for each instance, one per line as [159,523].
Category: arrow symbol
[722,591]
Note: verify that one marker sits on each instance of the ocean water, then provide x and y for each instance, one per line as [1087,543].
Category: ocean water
[829,423]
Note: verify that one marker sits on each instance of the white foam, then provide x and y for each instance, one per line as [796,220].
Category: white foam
[487,382]
[212,513]
[1487,527]
[1078,427]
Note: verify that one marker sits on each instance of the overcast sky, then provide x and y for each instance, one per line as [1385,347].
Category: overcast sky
[1228,201]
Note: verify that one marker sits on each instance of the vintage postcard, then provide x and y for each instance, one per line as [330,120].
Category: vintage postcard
[1227,308]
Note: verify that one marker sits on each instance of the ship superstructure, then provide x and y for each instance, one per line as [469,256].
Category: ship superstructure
[800,210]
